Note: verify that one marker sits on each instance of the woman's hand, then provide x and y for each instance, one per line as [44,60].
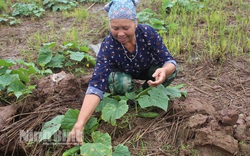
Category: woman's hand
[75,137]
[161,74]
[89,104]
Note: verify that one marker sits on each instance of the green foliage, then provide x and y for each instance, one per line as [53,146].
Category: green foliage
[114,110]
[69,119]
[50,127]
[70,56]
[6,19]
[148,16]
[97,1]
[59,5]
[157,96]
[121,150]
[71,152]
[16,81]
[157,21]
[91,126]
[21,9]
[114,107]
[187,5]
[79,14]
[148,114]
[3,6]
[99,145]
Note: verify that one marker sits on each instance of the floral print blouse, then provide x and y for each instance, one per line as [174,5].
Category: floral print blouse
[112,56]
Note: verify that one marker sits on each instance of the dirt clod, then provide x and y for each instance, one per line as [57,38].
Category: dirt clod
[206,136]
[229,117]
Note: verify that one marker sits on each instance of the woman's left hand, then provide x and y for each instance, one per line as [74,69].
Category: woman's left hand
[161,74]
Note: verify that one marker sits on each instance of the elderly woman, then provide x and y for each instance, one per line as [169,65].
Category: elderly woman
[130,51]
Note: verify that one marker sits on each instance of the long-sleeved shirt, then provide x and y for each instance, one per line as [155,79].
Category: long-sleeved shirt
[112,56]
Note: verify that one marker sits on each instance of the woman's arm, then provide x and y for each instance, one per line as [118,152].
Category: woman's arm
[89,104]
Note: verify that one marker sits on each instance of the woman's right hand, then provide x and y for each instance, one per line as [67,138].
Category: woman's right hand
[76,136]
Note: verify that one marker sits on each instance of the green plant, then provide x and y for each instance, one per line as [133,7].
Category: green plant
[98,1]
[148,16]
[95,142]
[148,115]
[77,13]
[114,107]
[4,18]
[3,6]
[187,5]
[71,151]
[16,81]
[59,5]
[70,56]
[158,21]
[111,108]
[21,9]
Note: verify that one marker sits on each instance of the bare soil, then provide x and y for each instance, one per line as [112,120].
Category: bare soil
[213,120]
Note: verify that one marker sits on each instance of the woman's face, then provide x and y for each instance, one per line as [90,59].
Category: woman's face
[123,30]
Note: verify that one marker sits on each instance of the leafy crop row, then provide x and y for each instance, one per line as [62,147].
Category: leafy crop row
[9,20]
[34,9]
[71,54]
[15,75]
[158,22]
[27,10]
[16,81]
[96,143]
[111,108]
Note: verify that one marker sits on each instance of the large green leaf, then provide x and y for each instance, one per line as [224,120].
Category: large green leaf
[157,97]
[1,88]
[50,128]
[17,87]
[113,111]
[91,125]
[130,95]
[5,80]
[45,56]
[182,92]
[103,138]
[173,92]
[121,150]
[56,62]
[32,69]
[95,149]
[3,70]
[76,56]
[7,63]
[104,102]
[23,76]
[101,145]
[70,119]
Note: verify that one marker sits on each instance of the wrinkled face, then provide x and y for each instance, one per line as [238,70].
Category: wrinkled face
[123,30]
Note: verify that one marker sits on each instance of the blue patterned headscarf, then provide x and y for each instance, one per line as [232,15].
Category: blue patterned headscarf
[121,9]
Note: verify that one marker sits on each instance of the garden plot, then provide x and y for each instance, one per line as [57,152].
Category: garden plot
[211,48]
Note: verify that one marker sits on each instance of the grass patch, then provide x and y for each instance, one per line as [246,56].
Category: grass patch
[206,29]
